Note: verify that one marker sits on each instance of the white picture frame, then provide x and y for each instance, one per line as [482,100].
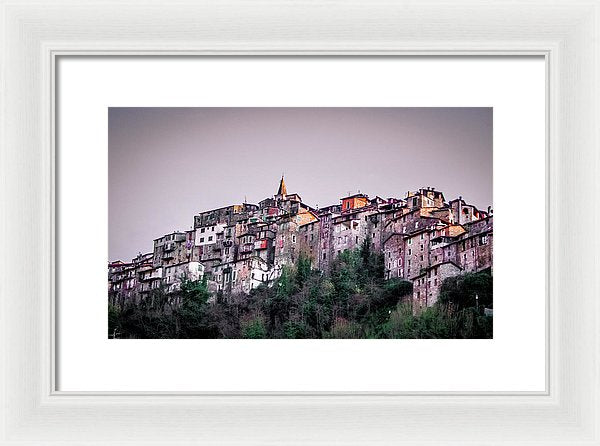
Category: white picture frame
[34,34]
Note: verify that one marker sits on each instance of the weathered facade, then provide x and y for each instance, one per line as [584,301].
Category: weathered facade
[236,248]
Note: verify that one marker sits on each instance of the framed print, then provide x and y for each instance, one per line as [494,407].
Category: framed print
[299,223]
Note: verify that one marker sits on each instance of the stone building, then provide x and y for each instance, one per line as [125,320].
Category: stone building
[237,248]
[427,284]
[325,220]
[309,241]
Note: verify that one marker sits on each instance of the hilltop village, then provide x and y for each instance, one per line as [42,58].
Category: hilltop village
[237,248]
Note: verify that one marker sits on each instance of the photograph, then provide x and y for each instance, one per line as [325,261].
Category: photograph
[291,206]
[300,223]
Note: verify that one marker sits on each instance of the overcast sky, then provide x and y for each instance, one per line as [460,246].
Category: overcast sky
[167,164]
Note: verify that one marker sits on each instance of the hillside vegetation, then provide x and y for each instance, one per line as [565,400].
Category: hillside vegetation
[352,301]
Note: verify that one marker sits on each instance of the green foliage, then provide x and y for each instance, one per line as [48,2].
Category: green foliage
[372,264]
[468,290]
[350,301]
[345,270]
[192,314]
[437,322]
[254,328]
[295,330]
[395,289]
[345,329]
[303,270]
[114,314]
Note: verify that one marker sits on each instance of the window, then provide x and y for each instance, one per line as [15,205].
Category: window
[202,230]
[416,225]
[293,239]
[422,257]
[410,241]
[421,247]
[210,238]
[422,236]
[483,240]
[409,251]
[324,256]
[357,239]
[201,239]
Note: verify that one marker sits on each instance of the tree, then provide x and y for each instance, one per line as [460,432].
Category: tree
[303,270]
[470,290]
[254,327]
[192,316]
[372,268]
[345,329]
[114,314]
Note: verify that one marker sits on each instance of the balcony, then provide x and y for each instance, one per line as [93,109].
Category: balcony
[168,255]
[246,248]
[154,275]
[144,267]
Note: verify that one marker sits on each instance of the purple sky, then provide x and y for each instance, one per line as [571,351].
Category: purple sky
[167,164]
